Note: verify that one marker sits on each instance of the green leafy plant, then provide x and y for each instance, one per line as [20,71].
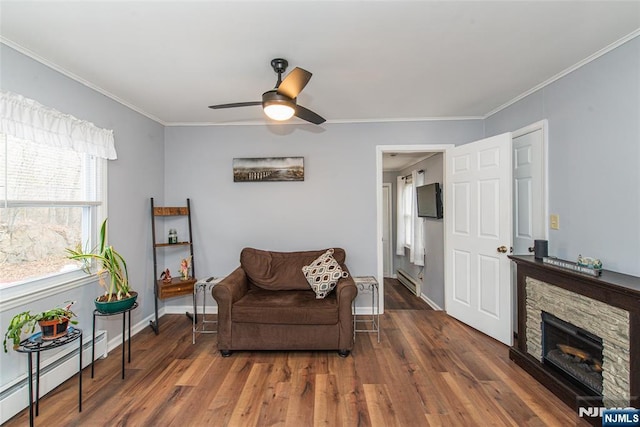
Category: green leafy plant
[25,322]
[110,263]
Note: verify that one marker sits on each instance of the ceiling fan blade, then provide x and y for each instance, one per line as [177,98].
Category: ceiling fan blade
[295,81]
[308,115]
[235,104]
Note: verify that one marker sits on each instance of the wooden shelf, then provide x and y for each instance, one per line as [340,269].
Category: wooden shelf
[163,245]
[177,287]
[171,211]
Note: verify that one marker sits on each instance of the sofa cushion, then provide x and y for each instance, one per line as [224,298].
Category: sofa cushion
[280,270]
[285,307]
[323,274]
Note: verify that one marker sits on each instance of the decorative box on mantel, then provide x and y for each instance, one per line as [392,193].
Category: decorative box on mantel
[598,322]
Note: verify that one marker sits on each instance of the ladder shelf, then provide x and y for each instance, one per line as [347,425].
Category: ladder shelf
[177,286]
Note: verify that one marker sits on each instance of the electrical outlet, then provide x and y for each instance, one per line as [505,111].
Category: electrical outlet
[554,221]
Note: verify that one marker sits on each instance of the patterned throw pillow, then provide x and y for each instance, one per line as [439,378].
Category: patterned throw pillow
[323,274]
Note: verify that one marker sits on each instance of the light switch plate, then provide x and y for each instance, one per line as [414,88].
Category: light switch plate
[554,221]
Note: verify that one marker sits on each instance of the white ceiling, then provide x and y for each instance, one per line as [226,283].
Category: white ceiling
[395,162]
[372,60]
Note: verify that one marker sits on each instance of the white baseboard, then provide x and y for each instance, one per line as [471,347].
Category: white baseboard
[54,370]
[59,367]
[432,304]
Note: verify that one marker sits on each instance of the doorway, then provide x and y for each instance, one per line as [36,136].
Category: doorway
[380,151]
[530,189]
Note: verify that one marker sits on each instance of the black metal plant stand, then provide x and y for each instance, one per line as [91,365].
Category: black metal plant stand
[35,344]
[125,313]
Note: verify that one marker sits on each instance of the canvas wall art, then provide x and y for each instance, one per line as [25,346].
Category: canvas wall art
[268,169]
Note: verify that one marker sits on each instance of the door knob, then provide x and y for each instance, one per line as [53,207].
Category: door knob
[531,249]
[502,249]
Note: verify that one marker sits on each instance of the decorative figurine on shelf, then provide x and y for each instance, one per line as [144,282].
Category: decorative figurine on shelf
[184,268]
[166,276]
[589,262]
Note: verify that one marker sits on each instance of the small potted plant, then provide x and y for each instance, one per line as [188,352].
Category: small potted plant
[53,324]
[112,274]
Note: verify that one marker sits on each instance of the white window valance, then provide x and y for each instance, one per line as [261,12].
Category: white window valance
[27,119]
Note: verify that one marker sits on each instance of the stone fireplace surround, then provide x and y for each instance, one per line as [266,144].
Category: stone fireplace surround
[608,306]
[608,322]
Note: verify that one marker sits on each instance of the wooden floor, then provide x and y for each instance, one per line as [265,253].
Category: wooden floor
[397,297]
[428,369]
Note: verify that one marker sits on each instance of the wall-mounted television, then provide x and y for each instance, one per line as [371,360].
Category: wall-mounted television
[429,200]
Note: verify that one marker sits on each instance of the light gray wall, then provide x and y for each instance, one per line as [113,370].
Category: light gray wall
[433,271]
[594,154]
[433,283]
[334,206]
[137,174]
[594,157]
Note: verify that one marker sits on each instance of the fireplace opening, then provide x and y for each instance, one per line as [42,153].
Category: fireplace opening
[573,352]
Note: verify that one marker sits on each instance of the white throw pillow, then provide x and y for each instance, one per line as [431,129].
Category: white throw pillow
[323,274]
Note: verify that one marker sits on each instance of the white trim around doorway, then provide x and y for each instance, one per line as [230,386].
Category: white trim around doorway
[380,150]
[544,126]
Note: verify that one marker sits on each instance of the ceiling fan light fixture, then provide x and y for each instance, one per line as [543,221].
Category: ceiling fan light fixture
[277,106]
[281,103]
[279,112]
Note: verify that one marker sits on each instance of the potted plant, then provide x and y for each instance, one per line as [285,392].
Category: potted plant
[112,274]
[53,324]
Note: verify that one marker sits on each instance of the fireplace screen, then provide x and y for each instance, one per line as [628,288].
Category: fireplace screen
[574,353]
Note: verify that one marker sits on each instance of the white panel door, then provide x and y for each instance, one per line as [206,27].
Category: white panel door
[478,237]
[528,192]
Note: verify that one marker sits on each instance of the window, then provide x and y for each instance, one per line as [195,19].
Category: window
[404,209]
[51,200]
[52,192]
[409,225]
[407,210]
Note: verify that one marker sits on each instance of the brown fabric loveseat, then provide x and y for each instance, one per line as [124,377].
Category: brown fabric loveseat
[267,304]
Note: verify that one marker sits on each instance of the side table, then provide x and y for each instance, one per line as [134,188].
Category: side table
[35,344]
[98,313]
[202,286]
[368,284]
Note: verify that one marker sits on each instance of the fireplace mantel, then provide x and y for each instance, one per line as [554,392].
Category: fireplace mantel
[611,288]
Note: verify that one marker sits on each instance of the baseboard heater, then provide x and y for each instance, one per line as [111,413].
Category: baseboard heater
[409,282]
[54,370]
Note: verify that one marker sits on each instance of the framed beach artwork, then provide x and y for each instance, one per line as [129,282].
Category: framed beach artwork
[268,169]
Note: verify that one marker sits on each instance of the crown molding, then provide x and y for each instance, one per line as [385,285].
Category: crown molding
[567,71]
[345,121]
[77,78]
[106,93]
